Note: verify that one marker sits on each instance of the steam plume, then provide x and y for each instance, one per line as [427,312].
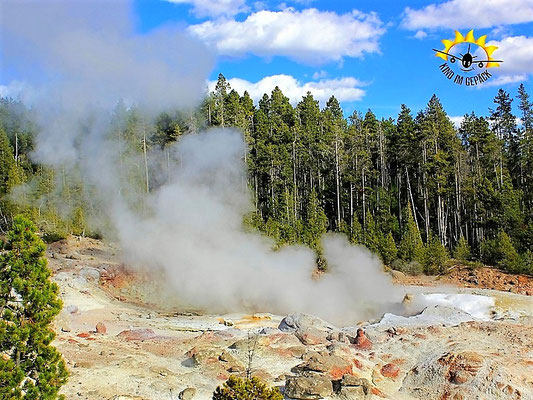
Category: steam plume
[80,58]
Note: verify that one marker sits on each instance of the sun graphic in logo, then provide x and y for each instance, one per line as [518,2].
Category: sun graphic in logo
[480,56]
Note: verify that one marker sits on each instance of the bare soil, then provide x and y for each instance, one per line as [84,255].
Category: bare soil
[148,347]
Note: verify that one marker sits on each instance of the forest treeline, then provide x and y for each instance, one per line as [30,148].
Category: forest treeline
[415,190]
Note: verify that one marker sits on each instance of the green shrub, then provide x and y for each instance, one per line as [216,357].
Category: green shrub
[407,267]
[54,236]
[236,388]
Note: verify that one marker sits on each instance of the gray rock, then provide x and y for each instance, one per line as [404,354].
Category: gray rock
[72,309]
[352,393]
[301,321]
[89,273]
[309,329]
[308,387]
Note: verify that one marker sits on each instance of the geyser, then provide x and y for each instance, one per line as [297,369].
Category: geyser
[190,224]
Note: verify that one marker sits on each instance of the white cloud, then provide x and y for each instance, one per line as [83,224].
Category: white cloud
[469,14]
[517,55]
[516,52]
[501,80]
[420,35]
[456,120]
[320,74]
[214,8]
[309,35]
[344,89]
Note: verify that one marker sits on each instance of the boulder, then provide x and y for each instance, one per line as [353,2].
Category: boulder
[353,381]
[308,387]
[200,356]
[89,273]
[334,366]
[298,321]
[308,329]
[187,394]
[311,336]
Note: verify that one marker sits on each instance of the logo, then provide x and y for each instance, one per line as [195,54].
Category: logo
[467,59]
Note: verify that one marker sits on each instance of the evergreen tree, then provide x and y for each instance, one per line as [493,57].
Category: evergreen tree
[526,146]
[411,247]
[167,130]
[507,256]
[356,232]
[388,249]
[30,367]
[372,235]
[461,251]
[315,227]
[504,125]
[8,173]
[435,256]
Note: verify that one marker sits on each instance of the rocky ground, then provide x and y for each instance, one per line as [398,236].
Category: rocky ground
[123,339]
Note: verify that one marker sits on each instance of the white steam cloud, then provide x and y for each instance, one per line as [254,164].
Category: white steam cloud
[191,223]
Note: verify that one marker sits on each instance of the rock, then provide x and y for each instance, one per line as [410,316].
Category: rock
[352,381]
[308,387]
[137,334]
[332,365]
[407,299]
[390,371]
[338,336]
[462,367]
[361,341]
[73,256]
[232,364]
[225,322]
[354,388]
[187,394]
[101,328]
[311,336]
[200,356]
[299,321]
[72,309]
[89,273]
[352,393]
[308,329]
[340,349]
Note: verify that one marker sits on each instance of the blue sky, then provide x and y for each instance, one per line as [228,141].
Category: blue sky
[401,69]
[373,55]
